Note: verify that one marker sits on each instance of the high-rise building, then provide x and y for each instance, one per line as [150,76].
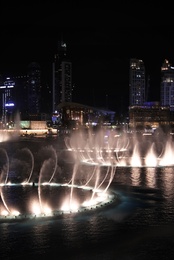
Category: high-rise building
[137,83]
[7,100]
[167,85]
[34,90]
[21,95]
[62,77]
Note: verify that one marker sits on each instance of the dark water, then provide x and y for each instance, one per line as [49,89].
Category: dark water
[140,227]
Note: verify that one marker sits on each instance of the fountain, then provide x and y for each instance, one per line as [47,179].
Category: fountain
[55,182]
[22,183]
[124,150]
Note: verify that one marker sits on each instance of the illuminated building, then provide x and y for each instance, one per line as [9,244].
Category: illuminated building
[167,85]
[82,115]
[137,83]
[149,116]
[62,77]
[142,114]
[34,91]
[7,100]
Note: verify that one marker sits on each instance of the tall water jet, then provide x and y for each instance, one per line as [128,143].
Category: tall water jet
[4,164]
[32,162]
[90,165]
[151,157]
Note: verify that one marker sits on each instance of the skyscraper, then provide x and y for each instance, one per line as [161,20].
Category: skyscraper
[62,76]
[34,90]
[7,101]
[137,83]
[167,85]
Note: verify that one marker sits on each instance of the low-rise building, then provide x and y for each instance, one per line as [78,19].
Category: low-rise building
[149,116]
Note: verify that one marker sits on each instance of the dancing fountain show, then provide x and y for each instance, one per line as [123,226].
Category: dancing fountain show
[43,179]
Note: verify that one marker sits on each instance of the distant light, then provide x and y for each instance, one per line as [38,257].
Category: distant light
[5,86]
[9,105]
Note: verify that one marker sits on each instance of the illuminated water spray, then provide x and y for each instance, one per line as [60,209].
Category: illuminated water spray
[91,161]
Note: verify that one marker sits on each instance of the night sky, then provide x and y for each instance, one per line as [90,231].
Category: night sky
[101,38]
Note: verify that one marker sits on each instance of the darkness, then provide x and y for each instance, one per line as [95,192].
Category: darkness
[100,39]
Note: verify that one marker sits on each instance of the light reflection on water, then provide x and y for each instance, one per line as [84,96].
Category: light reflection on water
[141,226]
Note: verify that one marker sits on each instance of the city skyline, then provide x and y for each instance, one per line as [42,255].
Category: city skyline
[97,77]
[99,45]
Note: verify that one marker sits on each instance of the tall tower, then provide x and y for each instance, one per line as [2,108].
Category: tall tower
[136,83]
[34,90]
[167,85]
[62,76]
[7,101]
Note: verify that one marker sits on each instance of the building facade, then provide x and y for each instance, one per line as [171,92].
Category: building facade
[149,116]
[82,115]
[137,83]
[7,101]
[167,85]
[20,96]
[34,90]
[62,77]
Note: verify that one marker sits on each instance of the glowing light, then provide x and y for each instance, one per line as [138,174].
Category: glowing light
[151,158]
[135,161]
[4,213]
[15,213]
[47,210]
[36,208]
[70,206]
[9,105]
[168,157]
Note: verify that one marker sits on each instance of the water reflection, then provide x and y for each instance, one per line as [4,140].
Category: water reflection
[167,179]
[135,176]
[151,177]
[139,221]
[133,229]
